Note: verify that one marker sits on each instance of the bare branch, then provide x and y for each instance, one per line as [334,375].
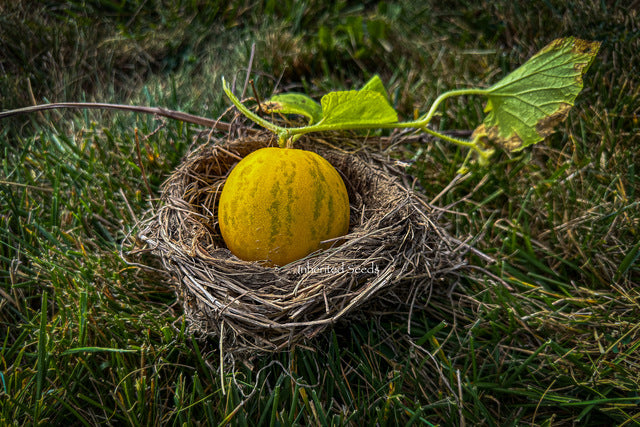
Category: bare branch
[157,111]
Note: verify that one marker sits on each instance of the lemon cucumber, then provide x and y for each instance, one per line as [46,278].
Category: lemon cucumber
[279,204]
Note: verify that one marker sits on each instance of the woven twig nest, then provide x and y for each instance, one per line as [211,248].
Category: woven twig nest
[394,251]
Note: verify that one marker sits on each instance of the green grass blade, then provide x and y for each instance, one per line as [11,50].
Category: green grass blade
[43,361]
[628,262]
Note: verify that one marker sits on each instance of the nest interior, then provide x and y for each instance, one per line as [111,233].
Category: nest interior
[394,251]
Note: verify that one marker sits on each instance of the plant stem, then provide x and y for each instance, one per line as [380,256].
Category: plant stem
[457,141]
[286,136]
[418,124]
[280,131]
[458,92]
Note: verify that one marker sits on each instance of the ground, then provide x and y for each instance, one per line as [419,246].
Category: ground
[547,334]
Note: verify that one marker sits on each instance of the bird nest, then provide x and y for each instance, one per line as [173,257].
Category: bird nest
[394,251]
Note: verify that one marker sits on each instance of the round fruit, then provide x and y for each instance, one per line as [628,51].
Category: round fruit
[278,204]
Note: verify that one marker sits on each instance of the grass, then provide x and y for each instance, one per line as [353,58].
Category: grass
[548,334]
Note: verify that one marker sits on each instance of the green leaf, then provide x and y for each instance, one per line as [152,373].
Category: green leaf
[297,103]
[294,103]
[375,84]
[357,107]
[525,106]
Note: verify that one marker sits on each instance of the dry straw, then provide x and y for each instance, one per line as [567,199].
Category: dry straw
[394,252]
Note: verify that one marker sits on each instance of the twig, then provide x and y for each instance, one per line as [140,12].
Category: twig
[158,111]
[249,67]
[255,94]
[221,348]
